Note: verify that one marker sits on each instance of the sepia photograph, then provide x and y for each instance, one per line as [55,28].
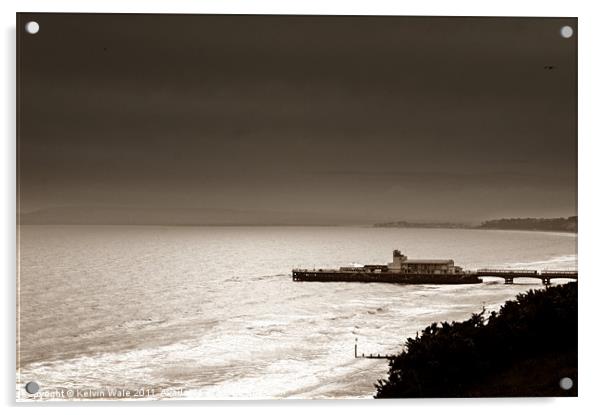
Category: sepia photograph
[251,207]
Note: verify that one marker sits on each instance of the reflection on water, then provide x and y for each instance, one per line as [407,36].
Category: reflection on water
[213,310]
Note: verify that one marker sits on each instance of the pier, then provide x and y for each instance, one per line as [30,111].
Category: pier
[509,275]
[325,275]
[464,277]
[424,271]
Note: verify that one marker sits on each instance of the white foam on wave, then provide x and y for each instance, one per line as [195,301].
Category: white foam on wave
[205,323]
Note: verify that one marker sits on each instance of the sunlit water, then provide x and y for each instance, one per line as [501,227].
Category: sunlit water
[213,312]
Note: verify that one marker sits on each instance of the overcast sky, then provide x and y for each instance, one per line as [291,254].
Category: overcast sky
[352,118]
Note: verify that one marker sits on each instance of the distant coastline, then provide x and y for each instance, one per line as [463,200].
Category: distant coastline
[136,216]
[533,224]
[426,225]
[568,224]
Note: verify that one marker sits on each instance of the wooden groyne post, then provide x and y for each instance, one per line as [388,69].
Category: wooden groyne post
[371,356]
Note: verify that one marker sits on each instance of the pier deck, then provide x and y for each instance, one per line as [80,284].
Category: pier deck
[466,277]
[509,275]
[382,277]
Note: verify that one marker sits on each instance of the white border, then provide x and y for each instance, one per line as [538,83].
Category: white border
[590,206]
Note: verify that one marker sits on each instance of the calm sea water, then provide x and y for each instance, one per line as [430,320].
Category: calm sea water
[212,312]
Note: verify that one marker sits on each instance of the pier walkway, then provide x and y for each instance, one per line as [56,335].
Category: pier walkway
[464,277]
[510,274]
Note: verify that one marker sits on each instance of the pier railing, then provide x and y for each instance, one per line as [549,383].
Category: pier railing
[495,272]
[568,274]
[509,274]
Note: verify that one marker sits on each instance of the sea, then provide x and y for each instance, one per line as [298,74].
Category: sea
[184,312]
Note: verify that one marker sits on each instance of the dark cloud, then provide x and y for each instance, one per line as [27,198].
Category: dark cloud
[367,118]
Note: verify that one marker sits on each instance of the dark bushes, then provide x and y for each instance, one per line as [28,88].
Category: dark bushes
[533,224]
[523,350]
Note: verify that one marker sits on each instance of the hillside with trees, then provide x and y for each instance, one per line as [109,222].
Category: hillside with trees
[533,224]
[568,224]
[522,350]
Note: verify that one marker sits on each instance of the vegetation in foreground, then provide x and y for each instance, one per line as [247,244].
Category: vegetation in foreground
[522,350]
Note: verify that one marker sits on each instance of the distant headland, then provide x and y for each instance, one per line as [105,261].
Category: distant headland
[533,224]
[568,224]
